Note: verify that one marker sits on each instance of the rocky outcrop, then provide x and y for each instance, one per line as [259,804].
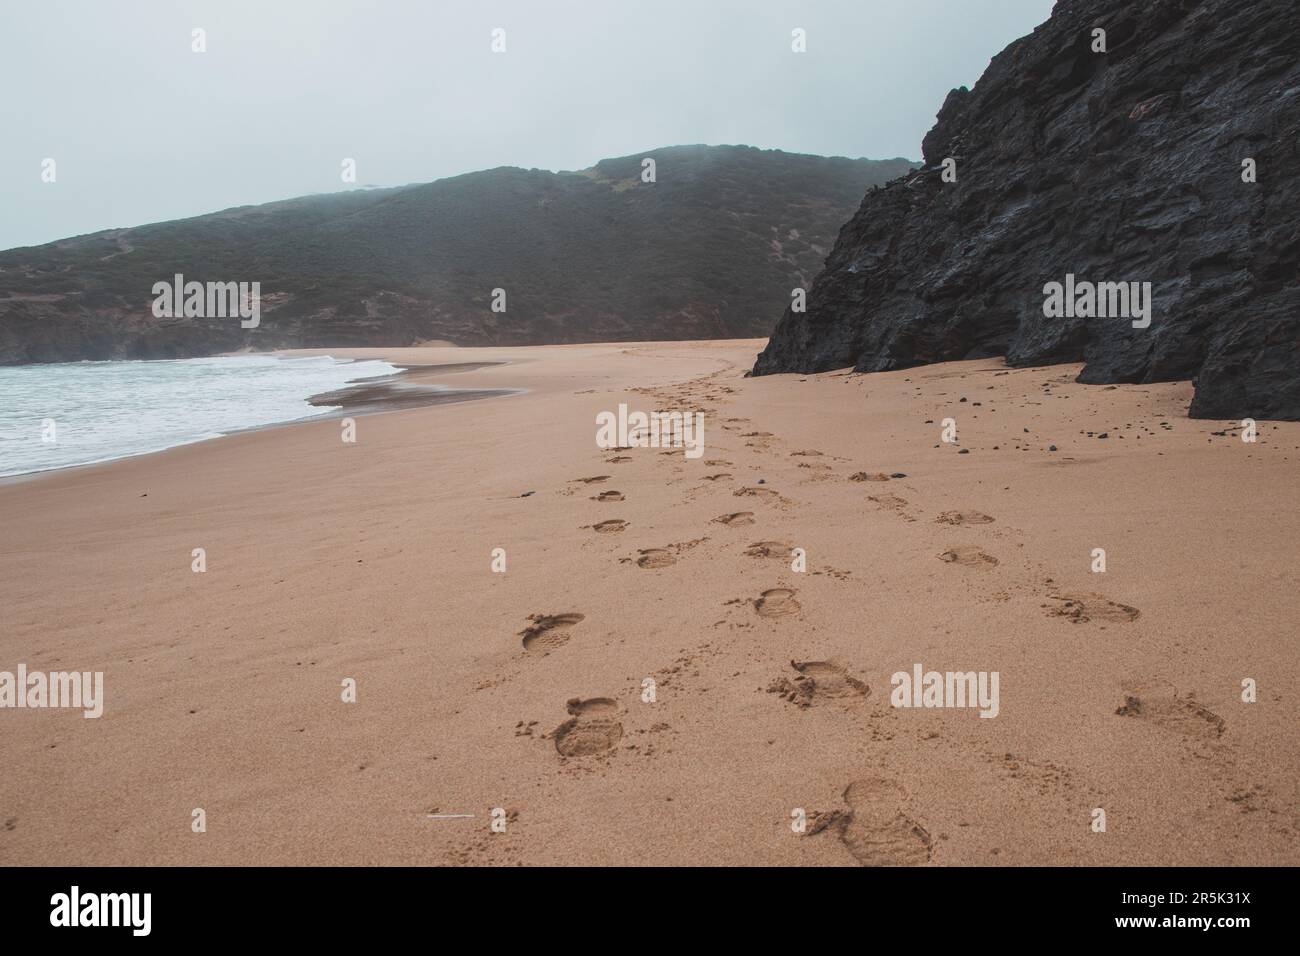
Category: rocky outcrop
[1128,165]
[592,256]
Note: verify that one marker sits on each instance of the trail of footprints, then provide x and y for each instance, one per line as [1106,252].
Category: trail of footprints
[874,825]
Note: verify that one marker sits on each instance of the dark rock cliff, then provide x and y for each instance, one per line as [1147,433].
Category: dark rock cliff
[1122,166]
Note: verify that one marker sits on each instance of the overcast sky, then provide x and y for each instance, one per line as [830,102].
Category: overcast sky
[143,129]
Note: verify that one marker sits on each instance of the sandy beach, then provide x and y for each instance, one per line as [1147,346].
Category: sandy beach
[523,690]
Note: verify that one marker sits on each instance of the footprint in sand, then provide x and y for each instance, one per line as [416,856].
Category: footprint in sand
[891,503]
[964,517]
[863,476]
[655,558]
[549,631]
[717,477]
[818,682]
[874,828]
[1082,608]
[665,556]
[756,435]
[776,602]
[1158,703]
[612,526]
[750,492]
[593,729]
[590,481]
[717,463]
[736,519]
[769,549]
[618,459]
[968,556]
[809,453]
[608,496]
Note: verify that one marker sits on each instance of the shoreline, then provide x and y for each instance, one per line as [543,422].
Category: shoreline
[407,388]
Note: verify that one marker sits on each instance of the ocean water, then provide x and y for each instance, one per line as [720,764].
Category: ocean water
[106,410]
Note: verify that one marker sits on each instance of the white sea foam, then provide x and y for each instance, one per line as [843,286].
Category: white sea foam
[106,410]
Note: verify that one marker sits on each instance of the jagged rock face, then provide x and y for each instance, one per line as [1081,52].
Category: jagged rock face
[1118,166]
[591,256]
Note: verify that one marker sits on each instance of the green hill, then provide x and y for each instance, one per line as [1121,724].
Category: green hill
[710,250]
